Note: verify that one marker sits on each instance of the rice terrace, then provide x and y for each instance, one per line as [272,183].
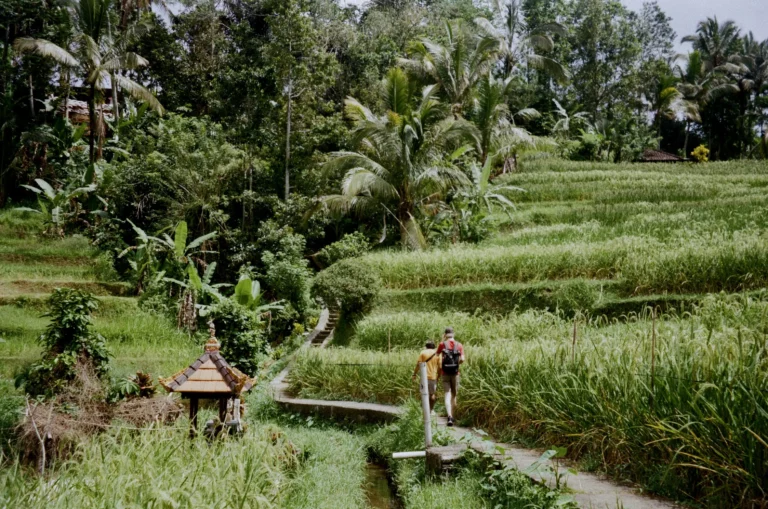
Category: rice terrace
[389,254]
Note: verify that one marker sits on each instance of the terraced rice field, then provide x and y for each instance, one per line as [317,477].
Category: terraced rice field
[677,403]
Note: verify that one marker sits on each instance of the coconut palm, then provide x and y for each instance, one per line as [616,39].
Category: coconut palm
[400,166]
[521,45]
[692,85]
[96,55]
[697,87]
[664,99]
[752,77]
[490,113]
[455,66]
[718,43]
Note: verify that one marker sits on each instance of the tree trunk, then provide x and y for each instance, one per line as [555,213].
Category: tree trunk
[115,111]
[66,97]
[92,122]
[6,43]
[288,141]
[685,145]
[31,96]
[4,129]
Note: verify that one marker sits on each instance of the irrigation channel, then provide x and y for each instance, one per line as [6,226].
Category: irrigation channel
[587,490]
[378,489]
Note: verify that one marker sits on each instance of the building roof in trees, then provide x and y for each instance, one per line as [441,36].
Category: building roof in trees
[209,374]
[659,156]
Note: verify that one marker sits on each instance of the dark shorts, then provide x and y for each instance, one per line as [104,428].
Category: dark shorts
[451,383]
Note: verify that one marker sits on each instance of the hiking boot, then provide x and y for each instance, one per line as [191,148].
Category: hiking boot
[450,421]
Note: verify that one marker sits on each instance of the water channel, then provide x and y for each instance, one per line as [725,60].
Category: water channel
[378,489]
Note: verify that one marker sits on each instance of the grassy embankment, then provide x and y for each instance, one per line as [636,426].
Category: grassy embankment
[289,467]
[589,238]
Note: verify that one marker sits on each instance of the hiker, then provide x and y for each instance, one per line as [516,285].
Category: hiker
[432,360]
[452,353]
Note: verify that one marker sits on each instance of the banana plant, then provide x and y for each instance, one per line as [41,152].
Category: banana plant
[57,205]
[200,285]
[484,194]
[248,294]
[180,259]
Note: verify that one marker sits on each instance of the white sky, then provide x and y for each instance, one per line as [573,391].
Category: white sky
[686,14]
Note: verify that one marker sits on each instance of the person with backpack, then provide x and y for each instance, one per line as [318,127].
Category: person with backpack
[432,359]
[452,355]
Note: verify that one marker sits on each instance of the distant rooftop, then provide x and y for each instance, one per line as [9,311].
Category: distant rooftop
[659,156]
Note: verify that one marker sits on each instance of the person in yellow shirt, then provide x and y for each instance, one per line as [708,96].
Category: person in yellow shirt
[432,359]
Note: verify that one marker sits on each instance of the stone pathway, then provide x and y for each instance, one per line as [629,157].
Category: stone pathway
[590,491]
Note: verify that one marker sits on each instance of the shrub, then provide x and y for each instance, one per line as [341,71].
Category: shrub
[700,154]
[351,286]
[285,271]
[67,342]
[240,334]
[350,246]
[289,280]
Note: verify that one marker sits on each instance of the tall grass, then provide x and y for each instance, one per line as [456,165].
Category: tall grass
[699,431]
[411,330]
[268,467]
[331,475]
[158,468]
[469,488]
[731,262]
[714,168]
[137,340]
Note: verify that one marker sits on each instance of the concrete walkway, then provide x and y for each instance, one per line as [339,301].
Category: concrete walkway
[588,490]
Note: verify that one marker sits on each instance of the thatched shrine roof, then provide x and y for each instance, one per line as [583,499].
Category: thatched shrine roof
[659,156]
[209,374]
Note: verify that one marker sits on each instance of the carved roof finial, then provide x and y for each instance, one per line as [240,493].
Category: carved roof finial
[212,345]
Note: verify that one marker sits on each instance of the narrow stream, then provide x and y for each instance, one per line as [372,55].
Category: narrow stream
[378,489]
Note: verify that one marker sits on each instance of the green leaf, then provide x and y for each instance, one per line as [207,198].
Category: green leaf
[208,275]
[243,292]
[27,209]
[33,189]
[89,173]
[199,241]
[180,239]
[46,187]
[194,279]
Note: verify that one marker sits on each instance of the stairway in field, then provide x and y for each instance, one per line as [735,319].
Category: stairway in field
[328,322]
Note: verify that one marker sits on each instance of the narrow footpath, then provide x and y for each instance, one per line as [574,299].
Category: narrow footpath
[590,491]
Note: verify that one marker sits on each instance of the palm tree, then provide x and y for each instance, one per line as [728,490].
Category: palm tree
[96,55]
[665,95]
[692,85]
[400,165]
[496,124]
[752,78]
[490,114]
[717,43]
[455,66]
[520,44]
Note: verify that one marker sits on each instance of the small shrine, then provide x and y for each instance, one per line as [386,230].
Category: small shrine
[210,377]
